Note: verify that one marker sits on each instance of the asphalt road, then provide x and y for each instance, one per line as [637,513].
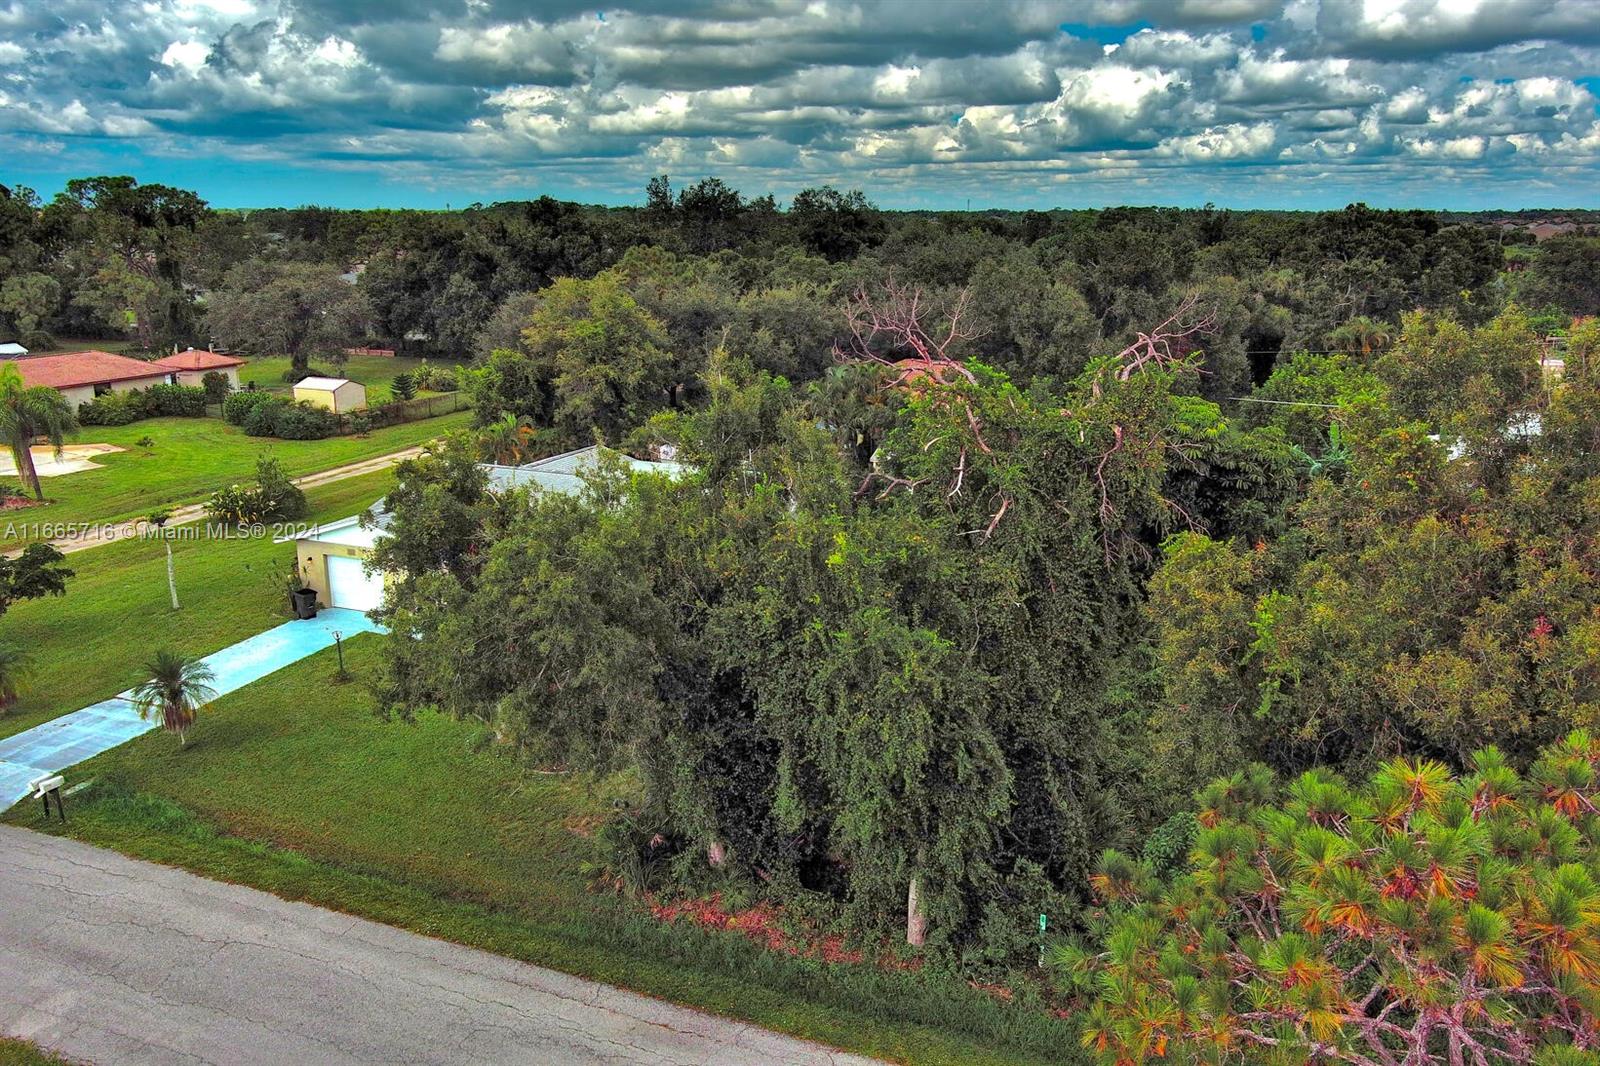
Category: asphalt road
[113,961]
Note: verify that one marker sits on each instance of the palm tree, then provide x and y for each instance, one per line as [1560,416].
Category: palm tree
[16,670]
[507,440]
[159,520]
[178,687]
[26,413]
[1361,332]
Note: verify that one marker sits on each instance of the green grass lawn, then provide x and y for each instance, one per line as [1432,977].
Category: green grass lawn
[188,459]
[82,344]
[295,785]
[92,642]
[23,1053]
[373,371]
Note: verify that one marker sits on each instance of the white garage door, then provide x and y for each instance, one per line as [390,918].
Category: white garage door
[349,585]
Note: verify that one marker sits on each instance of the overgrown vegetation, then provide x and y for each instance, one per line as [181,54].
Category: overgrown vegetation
[158,401]
[1419,917]
[1000,537]
[320,800]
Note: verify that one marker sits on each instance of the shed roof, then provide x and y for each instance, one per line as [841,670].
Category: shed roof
[198,359]
[12,348]
[323,384]
[76,369]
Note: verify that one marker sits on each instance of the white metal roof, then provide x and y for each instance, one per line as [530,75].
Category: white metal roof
[556,473]
[348,531]
[322,384]
[10,348]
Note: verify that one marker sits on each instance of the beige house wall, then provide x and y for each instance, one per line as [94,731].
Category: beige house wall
[311,560]
[82,394]
[78,394]
[137,383]
[197,377]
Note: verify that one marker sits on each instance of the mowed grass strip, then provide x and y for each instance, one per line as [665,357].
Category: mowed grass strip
[376,372]
[22,1053]
[93,642]
[186,460]
[295,785]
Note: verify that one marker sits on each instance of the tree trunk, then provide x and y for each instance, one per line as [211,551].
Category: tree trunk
[916,917]
[172,579]
[26,472]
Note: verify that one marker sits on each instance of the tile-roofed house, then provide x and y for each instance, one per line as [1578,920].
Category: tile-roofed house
[190,367]
[81,376]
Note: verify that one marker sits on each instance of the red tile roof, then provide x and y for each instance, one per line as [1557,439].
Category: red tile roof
[198,360]
[76,369]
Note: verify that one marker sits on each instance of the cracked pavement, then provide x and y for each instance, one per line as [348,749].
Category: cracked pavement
[120,962]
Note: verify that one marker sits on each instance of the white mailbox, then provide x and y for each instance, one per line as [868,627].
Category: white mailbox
[47,786]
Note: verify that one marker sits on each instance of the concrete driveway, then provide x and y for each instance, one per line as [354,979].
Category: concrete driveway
[46,463]
[72,738]
[116,961]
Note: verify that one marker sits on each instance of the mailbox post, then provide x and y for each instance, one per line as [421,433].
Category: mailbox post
[46,787]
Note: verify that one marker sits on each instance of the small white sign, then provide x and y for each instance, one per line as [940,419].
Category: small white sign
[46,784]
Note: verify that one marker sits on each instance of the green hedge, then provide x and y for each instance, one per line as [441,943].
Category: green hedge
[122,408]
[265,414]
[238,405]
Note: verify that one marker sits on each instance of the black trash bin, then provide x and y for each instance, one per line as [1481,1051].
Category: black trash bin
[304,602]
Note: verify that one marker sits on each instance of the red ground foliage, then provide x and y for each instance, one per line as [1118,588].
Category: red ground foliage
[760,924]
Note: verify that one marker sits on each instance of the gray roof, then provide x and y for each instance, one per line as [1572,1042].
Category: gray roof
[558,473]
[563,473]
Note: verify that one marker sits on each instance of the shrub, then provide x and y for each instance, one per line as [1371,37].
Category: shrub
[121,408]
[434,378]
[261,419]
[270,497]
[404,387]
[113,409]
[1417,914]
[186,401]
[304,421]
[216,385]
[238,405]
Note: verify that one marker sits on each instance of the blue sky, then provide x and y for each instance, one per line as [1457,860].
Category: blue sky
[922,103]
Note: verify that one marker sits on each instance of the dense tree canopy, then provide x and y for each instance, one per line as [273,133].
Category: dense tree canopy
[999,535]
[1421,918]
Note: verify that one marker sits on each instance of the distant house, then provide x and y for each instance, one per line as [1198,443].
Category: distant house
[81,376]
[190,367]
[12,350]
[338,395]
[332,558]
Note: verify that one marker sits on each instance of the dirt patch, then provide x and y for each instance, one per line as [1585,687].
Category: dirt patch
[73,458]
